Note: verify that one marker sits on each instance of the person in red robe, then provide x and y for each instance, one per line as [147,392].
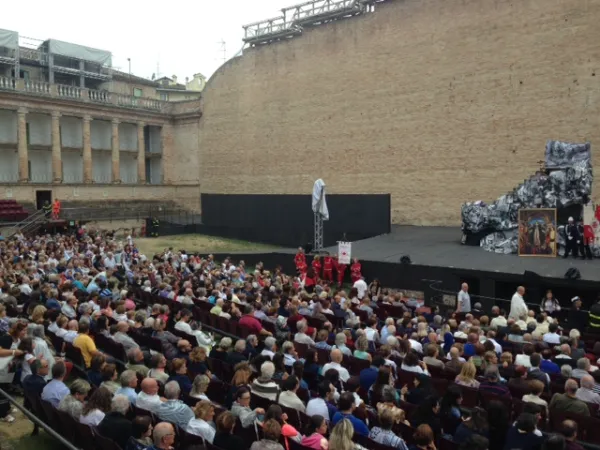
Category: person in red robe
[328,268]
[299,258]
[355,271]
[302,267]
[340,270]
[316,265]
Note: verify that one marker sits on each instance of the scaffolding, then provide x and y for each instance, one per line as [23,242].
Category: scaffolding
[311,13]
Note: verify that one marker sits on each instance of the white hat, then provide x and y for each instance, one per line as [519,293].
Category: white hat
[570,219]
[574,299]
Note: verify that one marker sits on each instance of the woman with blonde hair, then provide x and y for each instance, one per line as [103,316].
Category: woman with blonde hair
[204,412]
[341,437]
[198,363]
[37,316]
[466,377]
[422,330]
[199,387]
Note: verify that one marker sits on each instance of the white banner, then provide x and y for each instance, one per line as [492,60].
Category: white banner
[344,252]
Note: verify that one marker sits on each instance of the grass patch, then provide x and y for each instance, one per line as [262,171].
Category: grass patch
[41,441]
[198,243]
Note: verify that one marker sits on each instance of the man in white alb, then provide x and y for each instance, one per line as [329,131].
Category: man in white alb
[463,303]
[518,307]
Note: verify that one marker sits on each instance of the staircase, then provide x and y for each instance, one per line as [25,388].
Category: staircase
[29,225]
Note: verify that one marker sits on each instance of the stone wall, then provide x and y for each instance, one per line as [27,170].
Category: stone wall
[434,101]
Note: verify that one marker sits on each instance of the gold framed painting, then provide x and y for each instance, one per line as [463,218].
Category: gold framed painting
[537,232]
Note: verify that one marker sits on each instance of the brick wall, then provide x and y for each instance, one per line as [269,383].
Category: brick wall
[433,101]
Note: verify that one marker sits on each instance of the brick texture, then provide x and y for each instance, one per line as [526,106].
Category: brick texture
[434,101]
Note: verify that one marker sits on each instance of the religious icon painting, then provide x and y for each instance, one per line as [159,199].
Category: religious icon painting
[537,232]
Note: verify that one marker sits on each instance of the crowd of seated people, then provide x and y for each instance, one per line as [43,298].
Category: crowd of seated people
[122,348]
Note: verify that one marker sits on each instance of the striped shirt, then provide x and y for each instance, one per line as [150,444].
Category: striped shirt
[387,437]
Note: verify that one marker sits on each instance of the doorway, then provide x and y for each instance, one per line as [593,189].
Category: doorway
[42,197]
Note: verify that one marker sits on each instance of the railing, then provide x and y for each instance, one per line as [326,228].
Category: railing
[164,214]
[32,54]
[98,96]
[37,421]
[62,91]
[37,87]
[319,8]
[265,28]
[27,224]
[7,83]
[68,91]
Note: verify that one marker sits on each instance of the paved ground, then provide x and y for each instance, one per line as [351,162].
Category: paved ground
[440,246]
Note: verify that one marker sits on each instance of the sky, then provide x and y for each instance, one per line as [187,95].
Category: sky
[180,38]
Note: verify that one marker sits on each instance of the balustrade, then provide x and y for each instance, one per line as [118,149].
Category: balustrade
[68,91]
[37,87]
[99,96]
[7,83]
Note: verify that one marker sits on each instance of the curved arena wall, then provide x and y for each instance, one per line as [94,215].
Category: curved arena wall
[436,102]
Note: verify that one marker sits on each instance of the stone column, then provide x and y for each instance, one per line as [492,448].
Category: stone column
[57,175]
[22,145]
[166,144]
[87,150]
[141,162]
[116,148]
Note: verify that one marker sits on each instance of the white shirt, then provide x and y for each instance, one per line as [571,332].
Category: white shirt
[344,374]
[552,338]
[93,418]
[148,402]
[371,333]
[416,345]
[518,307]
[317,406]
[415,369]
[523,360]
[499,322]
[201,428]
[202,339]
[25,289]
[497,347]
[268,353]
[464,301]
[361,287]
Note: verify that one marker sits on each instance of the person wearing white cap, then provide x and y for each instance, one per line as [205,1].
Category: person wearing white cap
[572,238]
[577,318]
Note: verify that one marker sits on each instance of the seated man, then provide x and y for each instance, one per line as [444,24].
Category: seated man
[174,410]
[492,383]
[203,340]
[336,363]
[346,407]
[568,402]
[586,391]
[135,362]
[73,403]
[34,384]
[148,398]
[288,396]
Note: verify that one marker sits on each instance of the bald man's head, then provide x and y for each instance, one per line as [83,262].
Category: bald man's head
[163,435]
[454,354]
[149,386]
[73,325]
[123,327]
[336,355]
[587,382]
[571,387]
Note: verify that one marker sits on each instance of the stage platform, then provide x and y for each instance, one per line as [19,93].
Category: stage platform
[441,247]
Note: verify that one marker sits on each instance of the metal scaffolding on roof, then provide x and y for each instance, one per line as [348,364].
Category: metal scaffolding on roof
[310,13]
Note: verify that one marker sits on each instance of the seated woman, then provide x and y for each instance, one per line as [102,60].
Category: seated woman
[315,434]
[279,363]
[271,435]
[450,409]
[200,425]
[96,408]
[141,432]
[199,387]
[241,408]
[411,363]
[224,437]
[287,431]
[467,374]
[389,402]
[109,378]
[179,374]
[383,434]
[197,361]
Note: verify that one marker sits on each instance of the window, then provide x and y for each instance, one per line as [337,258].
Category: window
[27,133]
[24,74]
[137,92]
[164,97]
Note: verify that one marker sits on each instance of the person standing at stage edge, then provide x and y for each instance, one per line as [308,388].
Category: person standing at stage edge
[518,308]
[463,300]
[572,238]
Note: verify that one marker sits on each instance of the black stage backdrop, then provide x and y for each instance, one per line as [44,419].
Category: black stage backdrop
[287,220]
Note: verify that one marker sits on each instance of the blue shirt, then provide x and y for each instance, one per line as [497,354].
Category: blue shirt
[175,411]
[549,367]
[469,350]
[54,392]
[368,377]
[359,426]
[129,393]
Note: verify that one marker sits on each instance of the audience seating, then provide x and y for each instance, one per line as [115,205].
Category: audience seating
[11,211]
